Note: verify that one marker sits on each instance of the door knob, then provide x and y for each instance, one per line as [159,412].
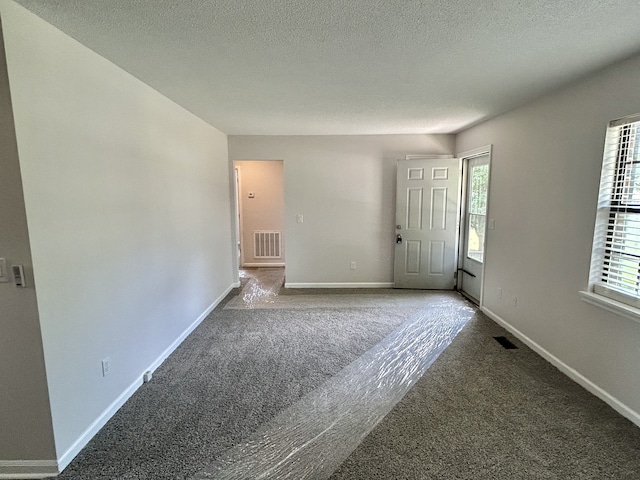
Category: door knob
[398,239]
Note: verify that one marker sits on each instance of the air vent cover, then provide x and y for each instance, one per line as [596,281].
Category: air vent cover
[505,342]
[266,244]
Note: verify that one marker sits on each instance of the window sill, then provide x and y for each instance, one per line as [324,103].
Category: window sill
[613,306]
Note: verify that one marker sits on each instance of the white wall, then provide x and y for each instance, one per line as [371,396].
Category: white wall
[263,211]
[345,188]
[544,185]
[25,422]
[128,208]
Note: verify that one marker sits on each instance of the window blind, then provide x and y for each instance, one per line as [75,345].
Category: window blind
[615,260]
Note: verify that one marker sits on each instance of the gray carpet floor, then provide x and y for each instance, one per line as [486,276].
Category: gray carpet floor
[235,372]
[313,437]
[483,412]
[479,411]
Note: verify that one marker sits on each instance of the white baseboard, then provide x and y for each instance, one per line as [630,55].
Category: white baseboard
[574,375]
[106,415]
[265,265]
[97,424]
[340,285]
[27,469]
[169,350]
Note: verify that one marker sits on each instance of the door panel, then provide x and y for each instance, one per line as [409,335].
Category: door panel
[426,221]
[474,227]
[437,257]
[413,257]
[414,209]
[439,208]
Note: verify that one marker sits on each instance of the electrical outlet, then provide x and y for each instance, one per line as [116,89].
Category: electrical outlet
[514,302]
[106,366]
[499,292]
[353,265]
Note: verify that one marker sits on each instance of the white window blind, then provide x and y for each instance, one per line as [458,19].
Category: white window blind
[615,259]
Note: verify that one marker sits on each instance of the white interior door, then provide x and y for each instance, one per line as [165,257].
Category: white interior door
[475,226]
[427,223]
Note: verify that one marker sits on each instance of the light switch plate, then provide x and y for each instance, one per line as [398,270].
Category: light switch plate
[18,276]
[4,275]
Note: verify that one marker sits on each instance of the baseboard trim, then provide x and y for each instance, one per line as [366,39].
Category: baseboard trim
[169,350]
[28,469]
[340,285]
[97,424]
[257,265]
[573,374]
[106,415]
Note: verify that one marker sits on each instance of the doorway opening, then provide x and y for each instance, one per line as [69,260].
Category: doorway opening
[260,206]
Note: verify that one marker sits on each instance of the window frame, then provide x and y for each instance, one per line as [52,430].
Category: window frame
[610,286]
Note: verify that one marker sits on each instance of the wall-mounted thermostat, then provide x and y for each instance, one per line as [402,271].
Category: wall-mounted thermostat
[18,275]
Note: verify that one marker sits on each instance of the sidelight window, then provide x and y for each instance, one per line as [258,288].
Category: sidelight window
[477,214]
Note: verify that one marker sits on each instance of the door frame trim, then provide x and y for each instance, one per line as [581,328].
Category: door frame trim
[239,218]
[464,160]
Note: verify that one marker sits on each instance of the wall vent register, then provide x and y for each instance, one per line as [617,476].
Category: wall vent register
[505,342]
[267,244]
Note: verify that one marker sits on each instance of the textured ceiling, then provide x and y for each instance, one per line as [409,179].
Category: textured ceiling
[350,66]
